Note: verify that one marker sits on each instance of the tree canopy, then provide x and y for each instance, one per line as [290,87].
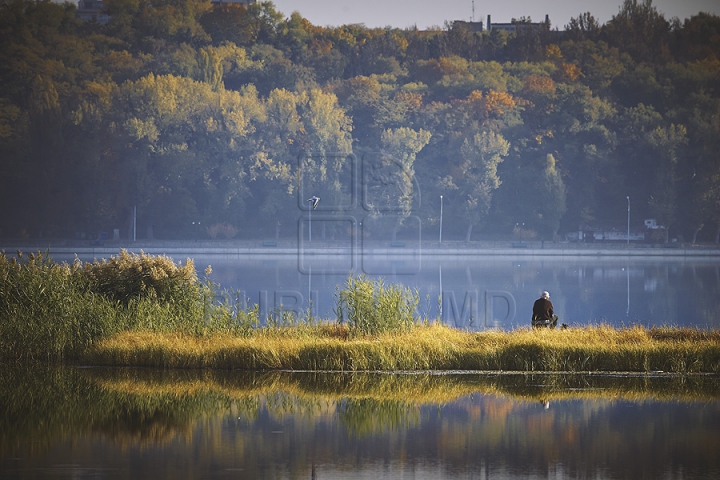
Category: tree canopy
[199,115]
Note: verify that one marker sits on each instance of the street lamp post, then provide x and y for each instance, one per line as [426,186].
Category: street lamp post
[314,200]
[441,211]
[628,221]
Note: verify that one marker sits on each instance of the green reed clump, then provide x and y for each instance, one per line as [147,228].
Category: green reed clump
[370,307]
[48,310]
[222,313]
[158,295]
[130,276]
[52,311]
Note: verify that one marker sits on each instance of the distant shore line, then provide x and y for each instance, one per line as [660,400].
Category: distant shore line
[401,247]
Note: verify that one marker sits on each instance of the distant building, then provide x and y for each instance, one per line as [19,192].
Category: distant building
[515,26]
[92,11]
[651,224]
[511,27]
[472,26]
[588,233]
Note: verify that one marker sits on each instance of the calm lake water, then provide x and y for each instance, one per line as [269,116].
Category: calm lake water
[476,292]
[73,422]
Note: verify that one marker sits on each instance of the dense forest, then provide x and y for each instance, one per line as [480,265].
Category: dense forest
[228,117]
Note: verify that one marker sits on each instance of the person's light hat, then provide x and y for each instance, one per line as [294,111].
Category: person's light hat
[546,295]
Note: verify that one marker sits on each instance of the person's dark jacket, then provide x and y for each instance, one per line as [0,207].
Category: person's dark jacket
[543,309]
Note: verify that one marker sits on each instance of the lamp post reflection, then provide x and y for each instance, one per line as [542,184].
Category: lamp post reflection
[628,220]
[627,272]
[441,294]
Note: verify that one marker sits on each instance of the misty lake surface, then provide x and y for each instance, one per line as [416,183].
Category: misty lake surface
[477,292]
[71,422]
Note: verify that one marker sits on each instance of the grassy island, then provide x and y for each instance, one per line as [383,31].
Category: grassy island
[434,347]
[144,310]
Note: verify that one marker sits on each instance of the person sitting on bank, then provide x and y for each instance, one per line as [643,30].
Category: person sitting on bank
[543,313]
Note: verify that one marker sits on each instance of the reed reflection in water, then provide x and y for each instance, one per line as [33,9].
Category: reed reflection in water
[122,423]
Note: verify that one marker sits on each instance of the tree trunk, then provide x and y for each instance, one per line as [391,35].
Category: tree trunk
[468,233]
[717,234]
[697,230]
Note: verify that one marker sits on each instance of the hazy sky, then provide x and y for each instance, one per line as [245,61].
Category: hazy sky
[427,13]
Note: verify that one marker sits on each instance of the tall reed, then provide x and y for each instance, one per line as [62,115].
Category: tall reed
[49,310]
[52,311]
[370,307]
[130,276]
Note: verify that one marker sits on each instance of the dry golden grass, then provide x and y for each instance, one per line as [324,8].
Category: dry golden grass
[435,347]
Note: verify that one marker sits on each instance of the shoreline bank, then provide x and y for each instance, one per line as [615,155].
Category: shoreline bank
[401,248]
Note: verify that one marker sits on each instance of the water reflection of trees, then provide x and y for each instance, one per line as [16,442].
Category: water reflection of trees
[147,407]
[41,402]
[364,416]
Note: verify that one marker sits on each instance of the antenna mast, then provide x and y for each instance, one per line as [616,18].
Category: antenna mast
[473,11]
